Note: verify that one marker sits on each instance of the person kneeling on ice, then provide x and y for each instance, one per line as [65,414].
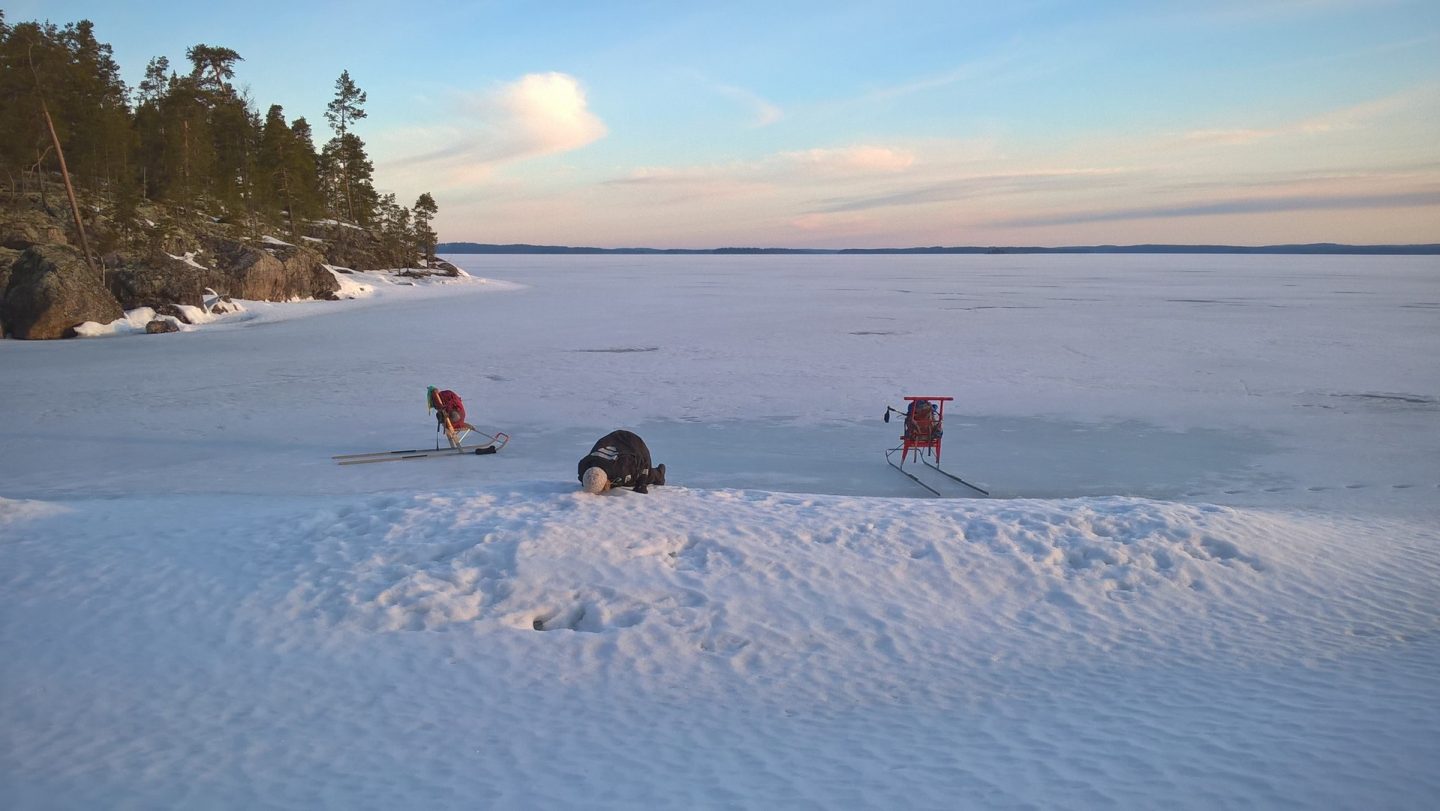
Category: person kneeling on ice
[619,459]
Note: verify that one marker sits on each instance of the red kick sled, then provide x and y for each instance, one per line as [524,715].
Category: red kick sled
[921,441]
[450,420]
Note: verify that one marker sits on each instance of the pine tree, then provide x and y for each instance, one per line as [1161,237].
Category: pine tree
[189,139]
[273,190]
[189,149]
[306,202]
[351,178]
[74,78]
[43,69]
[233,128]
[152,87]
[345,154]
[23,146]
[149,126]
[93,102]
[347,106]
[396,238]
[235,132]
[212,66]
[286,168]
[425,238]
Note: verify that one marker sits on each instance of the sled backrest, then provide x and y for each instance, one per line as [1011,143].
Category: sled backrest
[924,417]
[922,421]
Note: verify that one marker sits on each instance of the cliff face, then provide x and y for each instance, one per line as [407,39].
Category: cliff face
[46,287]
[265,272]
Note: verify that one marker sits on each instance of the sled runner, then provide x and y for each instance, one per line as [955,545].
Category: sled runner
[921,441]
[493,444]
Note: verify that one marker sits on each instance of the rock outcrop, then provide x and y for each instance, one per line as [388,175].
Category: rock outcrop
[7,261]
[275,272]
[349,247]
[162,279]
[21,228]
[270,272]
[443,268]
[176,263]
[51,291]
[172,311]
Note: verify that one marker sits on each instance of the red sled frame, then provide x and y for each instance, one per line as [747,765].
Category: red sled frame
[923,442]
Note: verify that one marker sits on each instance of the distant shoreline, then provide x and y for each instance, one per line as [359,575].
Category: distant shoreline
[1316,248]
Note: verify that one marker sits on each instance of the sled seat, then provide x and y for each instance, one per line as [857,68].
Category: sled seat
[924,421]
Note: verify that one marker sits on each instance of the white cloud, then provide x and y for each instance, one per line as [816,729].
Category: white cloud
[549,109]
[853,159]
[765,113]
[1347,118]
[538,114]
[828,162]
[1360,115]
[1235,137]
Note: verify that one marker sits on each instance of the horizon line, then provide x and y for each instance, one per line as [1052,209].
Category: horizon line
[1313,248]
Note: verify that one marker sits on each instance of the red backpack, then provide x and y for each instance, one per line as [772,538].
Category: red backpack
[920,421]
[448,403]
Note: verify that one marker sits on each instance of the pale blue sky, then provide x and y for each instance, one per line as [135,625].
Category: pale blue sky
[839,124]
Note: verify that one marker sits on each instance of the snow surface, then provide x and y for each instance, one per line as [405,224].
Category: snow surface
[1208,577]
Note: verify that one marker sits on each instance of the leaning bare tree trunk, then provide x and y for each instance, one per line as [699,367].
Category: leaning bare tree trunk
[64,170]
[70,191]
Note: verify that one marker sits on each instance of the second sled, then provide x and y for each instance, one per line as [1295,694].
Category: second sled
[922,440]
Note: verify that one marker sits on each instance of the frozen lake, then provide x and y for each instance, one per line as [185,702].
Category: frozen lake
[1308,381]
[1208,577]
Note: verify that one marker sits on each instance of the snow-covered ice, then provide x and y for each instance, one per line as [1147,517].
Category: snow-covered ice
[1209,575]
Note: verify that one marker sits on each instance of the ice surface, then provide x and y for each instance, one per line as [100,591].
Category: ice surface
[1208,577]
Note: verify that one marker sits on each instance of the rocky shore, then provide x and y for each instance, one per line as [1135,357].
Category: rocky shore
[47,288]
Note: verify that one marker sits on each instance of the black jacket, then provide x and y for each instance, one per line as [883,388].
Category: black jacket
[624,458]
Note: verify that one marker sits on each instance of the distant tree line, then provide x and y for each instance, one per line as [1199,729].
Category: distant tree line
[185,139]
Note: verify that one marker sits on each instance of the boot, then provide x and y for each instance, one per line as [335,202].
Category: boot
[657,475]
